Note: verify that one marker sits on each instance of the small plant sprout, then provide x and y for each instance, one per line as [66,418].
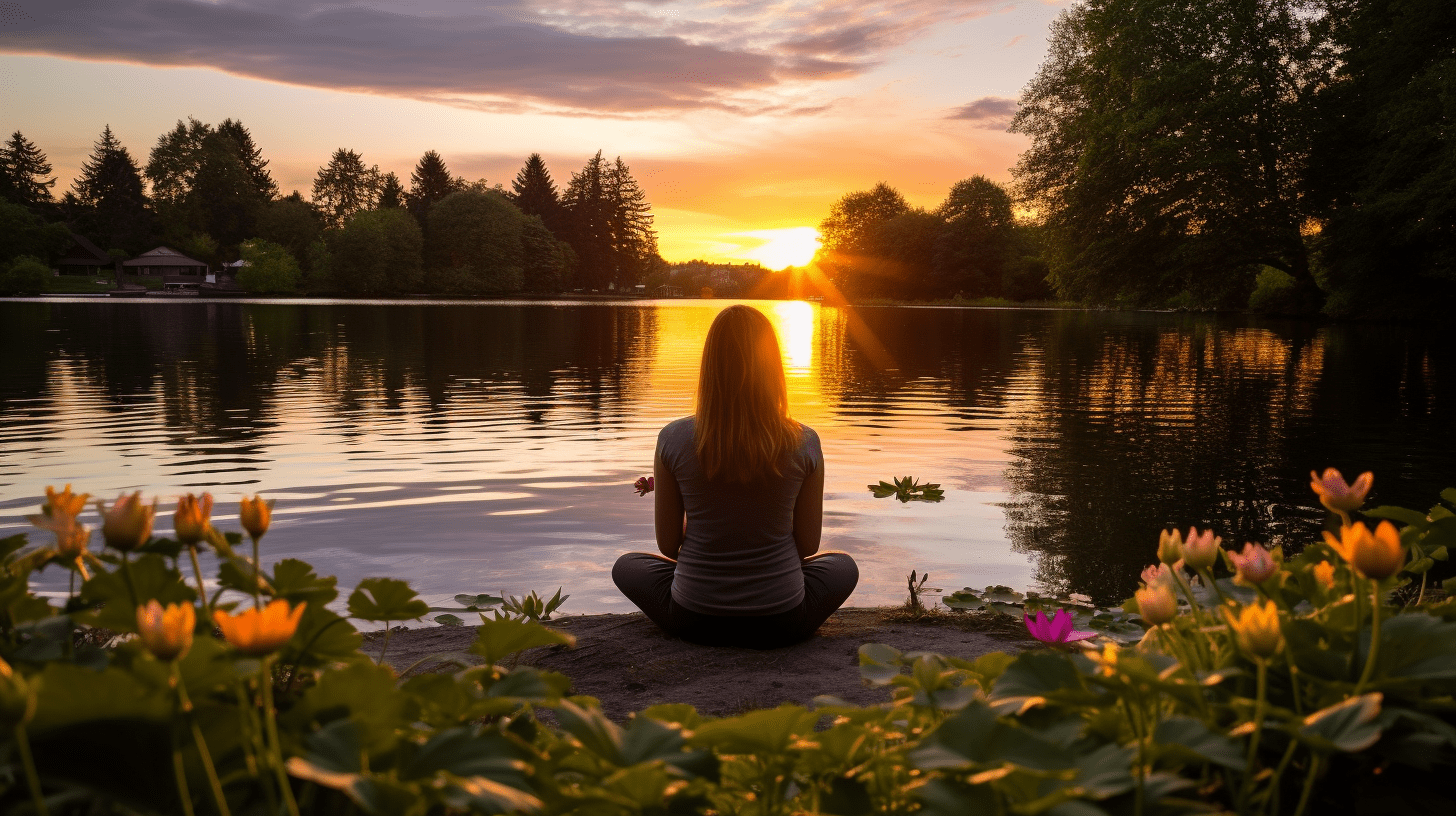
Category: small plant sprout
[917,588]
[907,490]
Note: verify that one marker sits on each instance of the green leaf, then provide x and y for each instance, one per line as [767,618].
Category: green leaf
[593,730]
[386,599]
[498,639]
[1449,495]
[466,752]
[361,692]
[150,578]
[1033,676]
[1348,726]
[879,664]
[765,732]
[295,581]
[473,602]
[1401,514]
[1192,739]
[944,797]
[1417,647]
[323,637]
[73,695]
[449,620]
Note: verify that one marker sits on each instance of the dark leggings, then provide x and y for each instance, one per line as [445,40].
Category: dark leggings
[646,580]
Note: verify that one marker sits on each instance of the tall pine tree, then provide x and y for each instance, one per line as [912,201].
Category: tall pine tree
[24,169]
[588,223]
[106,200]
[251,157]
[534,191]
[391,193]
[430,181]
[634,241]
[345,186]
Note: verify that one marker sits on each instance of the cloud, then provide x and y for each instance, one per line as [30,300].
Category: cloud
[573,55]
[987,113]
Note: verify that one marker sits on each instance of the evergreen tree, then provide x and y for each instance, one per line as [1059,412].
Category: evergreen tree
[345,186]
[224,201]
[534,191]
[251,157]
[106,200]
[172,165]
[430,181]
[23,173]
[589,223]
[391,193]
[634,241]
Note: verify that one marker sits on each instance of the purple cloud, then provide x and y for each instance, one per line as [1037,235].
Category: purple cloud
[987,113]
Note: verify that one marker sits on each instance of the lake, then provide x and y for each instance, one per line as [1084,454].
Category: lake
[491,447]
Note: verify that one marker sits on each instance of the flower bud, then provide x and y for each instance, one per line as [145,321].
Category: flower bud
[1170,547]
[1377,556]
[64,503]
[1335,494]
[1257,629]
[1324,575]
[255,515]
[190,522]
[1156,604]
[1201,551]
[167,633]
[1254,565]
[128,523]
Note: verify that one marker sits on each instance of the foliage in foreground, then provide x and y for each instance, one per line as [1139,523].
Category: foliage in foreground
[1294,687]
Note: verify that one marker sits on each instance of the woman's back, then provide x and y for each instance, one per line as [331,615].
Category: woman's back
[738,554]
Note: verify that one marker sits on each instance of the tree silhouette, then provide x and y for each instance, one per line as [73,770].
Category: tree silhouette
[392,195]
[345,186]
[106,200]
[24,169]
[430,181]
[534,191]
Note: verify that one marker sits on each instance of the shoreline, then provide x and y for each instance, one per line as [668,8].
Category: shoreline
[628,664]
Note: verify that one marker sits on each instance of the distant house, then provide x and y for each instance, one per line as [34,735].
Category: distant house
[175,269]
[84,258]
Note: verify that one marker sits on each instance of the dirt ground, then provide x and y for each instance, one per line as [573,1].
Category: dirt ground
[628,663]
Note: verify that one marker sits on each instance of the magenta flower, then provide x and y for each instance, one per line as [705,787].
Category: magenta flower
[1055,630]
[644,485]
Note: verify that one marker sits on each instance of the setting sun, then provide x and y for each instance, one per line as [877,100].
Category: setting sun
[782,248]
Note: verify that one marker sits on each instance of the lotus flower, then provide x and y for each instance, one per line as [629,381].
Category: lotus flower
[1257,629]
[191,521]
[1200,550]
[1156,604]
[1254,565]
[1056,629]
[645,485]
[127,524]
[1335,494]
[166,631]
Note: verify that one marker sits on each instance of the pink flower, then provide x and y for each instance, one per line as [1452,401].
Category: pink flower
[1158,575]
[1201,551]
[1057,629]
[1255,565]
[1335,494]
[644,485]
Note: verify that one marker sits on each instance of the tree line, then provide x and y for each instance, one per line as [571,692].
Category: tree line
[206,191]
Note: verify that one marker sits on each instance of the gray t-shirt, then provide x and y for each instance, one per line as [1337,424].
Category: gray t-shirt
[738,556]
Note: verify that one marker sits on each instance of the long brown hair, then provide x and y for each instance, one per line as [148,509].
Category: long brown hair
[743,430]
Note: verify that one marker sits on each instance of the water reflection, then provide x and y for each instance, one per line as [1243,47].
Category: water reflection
[479,447]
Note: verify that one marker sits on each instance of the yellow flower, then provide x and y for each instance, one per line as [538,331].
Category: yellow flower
[1377,556]
[190,522]
[1257,629]
[128,523]
[259,632]
[1255,565]
[255,514]
[1201,551]
[167,633]
[17,698]
[1156,603]
[1324,575]
[1170,547]
[64,503]
[1335,494]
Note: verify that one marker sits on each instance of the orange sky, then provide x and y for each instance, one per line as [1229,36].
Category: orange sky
[738,118]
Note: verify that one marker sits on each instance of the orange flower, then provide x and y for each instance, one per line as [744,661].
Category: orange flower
[128,523]
[1170,547]
[1257,628]
[64,503]
[1201,551]
[1255,565]
[255,515]
[1335,494]
[190,522]
[1324,575]
[257,632]
[1377,556]
[167,633]
[1156,603]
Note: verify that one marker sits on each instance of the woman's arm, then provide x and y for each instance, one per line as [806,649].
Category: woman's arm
[667,509]
[808,513]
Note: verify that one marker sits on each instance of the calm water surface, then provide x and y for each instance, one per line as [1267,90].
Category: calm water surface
[491,447]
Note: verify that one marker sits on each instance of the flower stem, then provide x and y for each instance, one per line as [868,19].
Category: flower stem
[200,743]
[180,772]
[1314,764]
[1374,636]
[265,677]
[201,590]
[1259,703]
[385,647]
[126,576]
[257,574]
[32,779]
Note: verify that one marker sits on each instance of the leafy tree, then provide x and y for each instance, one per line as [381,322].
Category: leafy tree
[24,233]
[223,200]
[534,191]
[1386,160]
[476,244]
[26,275]
[209,179]
[847,250]
[377,251]
[291,223]
[546,262]
[900,256]
[106,201]
[1169,140]
[392,194]
[974,252]
[345,186]
[173,163]
[25,169]
[270,267]
[430,182]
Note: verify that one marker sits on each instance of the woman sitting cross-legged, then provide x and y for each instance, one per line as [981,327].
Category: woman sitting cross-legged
[739,502]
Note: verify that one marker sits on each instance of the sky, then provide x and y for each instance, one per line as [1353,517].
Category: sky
[743,121]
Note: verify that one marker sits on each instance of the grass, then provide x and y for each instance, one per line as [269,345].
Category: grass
[97,284]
